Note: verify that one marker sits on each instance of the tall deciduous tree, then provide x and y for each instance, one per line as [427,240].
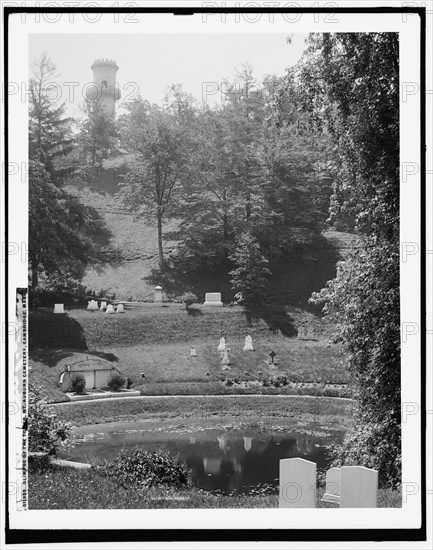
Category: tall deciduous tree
[351,85]
[157,137]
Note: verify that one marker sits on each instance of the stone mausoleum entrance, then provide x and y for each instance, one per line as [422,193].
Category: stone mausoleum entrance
[96,372]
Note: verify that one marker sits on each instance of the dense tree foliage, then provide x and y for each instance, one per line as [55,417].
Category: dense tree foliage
[50,133]
[45,430]
[62,231]
[98,134]
[350,85]
[251,274]
[157,136]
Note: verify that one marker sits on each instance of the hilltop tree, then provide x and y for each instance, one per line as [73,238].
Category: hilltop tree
[98,134]
[50,132]
[158,138]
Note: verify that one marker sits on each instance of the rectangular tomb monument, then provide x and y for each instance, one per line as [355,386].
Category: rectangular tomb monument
[213,299]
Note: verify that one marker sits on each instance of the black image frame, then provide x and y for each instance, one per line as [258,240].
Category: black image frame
[38,536]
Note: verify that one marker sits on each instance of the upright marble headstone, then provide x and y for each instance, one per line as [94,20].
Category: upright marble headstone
[248,343]
[92,306]
[248,441]
[358,487]
[193,352]
[103,306]
[225,359]
[333,486]
[213,299]
[110,309]
[297,483]
[222,344]
[120,309]
[58,308]
[158,295]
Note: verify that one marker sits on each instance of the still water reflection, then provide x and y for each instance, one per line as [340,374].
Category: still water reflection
[228,462]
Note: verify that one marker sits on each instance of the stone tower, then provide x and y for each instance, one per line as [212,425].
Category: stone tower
[104,85]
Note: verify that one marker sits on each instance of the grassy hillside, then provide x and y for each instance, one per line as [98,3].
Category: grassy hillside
[127,262]
[151,346]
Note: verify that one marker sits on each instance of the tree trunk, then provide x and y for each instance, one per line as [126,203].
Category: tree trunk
[160,253]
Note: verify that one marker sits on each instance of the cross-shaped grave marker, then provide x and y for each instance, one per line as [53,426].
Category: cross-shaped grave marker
[272,354]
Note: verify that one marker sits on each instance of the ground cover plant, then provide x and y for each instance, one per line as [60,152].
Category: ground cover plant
[69,489]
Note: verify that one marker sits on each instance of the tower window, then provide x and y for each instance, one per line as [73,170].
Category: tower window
[104,84]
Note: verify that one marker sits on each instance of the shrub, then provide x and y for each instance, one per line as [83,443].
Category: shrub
[145,468]
[116,381]
[188,299]
[44,428]
[78,383]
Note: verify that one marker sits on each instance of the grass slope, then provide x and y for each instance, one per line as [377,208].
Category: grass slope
[151,346]
[306,410]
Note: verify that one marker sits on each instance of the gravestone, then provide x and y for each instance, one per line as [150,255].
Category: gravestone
[333,486]
[248,441]
[193,352]
[358,487]
[92,306]
[302,333]
[120,309]
[272,362]
[248,343]
[225,359]
[58,308]
[222,344]
[103,306]
[110,309]
[297,483]
[213,299]
[158,295]
[312,333]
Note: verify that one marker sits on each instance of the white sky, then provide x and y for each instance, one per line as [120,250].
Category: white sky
[148,63]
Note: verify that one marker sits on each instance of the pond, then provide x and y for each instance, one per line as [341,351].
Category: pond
[226,460]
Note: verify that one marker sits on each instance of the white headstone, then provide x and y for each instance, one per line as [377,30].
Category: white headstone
[248,441]
[297,483]
[120,309]
[225,359]
[358,487]
[58,308]
[92,305]
[248,343]
[213,299]
[110,309]
[158,295]
[193,352]
[333,486]
[103,306]
[222,344]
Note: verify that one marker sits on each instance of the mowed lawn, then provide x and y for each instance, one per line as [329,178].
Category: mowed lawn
[157,355]
[300,361]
